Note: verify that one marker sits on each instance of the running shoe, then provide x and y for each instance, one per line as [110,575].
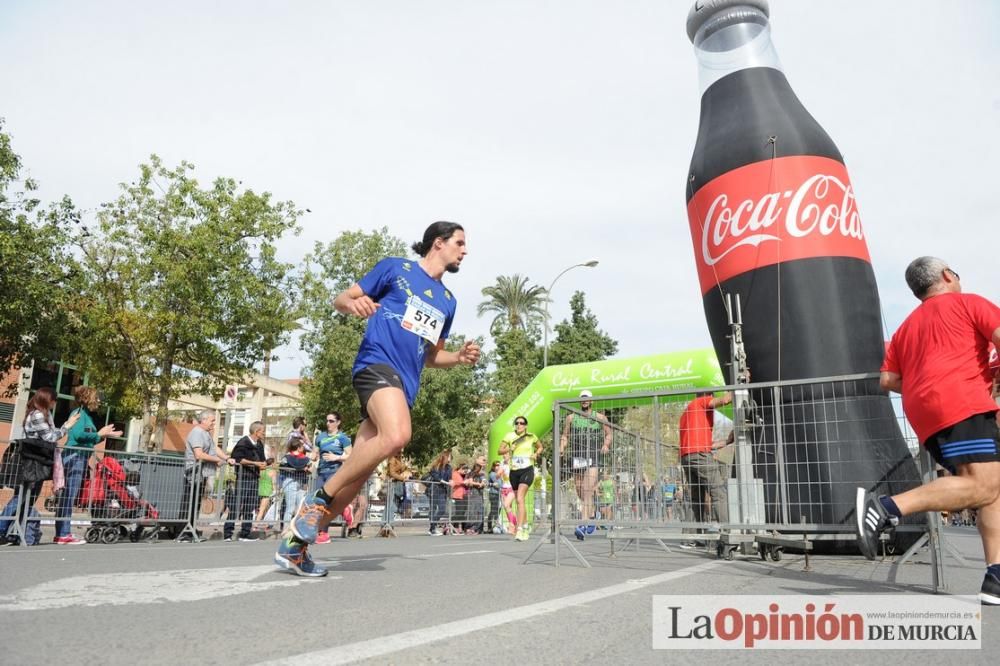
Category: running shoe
[522,535]
[989,593]
[249,537]
[69,540]
[872,520]
[580,532]
[293,556]
[305,525]
[324,537]
[348,515]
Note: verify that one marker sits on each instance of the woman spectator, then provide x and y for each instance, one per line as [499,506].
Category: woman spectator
[294,477]
[459,490]
[81,438]
[38,424]
[333,447]
[476,481]
[438,480]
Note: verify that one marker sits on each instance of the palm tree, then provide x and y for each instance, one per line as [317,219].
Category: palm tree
[514,303]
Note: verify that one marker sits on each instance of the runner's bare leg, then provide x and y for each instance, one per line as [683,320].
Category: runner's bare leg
[385,432]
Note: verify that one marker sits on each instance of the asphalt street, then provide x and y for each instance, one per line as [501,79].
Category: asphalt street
[413,599]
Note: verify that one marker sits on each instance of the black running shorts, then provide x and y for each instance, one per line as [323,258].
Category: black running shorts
[519,476]
[970,441]
[370,379]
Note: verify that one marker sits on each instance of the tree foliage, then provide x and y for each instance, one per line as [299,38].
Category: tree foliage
[579,340]
[515,304]
[184,290]
[37,271]
[518,359]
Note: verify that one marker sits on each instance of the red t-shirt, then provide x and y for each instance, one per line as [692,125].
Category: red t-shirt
[696,426]
[457,489]
[941,352]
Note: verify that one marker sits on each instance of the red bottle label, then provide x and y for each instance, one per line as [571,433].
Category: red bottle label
[768,212]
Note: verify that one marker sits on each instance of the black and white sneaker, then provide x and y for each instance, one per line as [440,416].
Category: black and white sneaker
[989,593]
[872,520]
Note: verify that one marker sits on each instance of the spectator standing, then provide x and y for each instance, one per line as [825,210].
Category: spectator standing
[81,438]
[459,492]
[493,484]
[938,360]
[438,481]
[476,481]
[293,477]
[202,459]
[248,454]
[266,485]
[701,471]
[298,432]
[333,447]
[397,474]
[37,424]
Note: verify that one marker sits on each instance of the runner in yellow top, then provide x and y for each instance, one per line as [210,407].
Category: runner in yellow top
[524,447]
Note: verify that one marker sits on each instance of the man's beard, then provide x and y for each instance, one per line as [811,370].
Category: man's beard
[452,268]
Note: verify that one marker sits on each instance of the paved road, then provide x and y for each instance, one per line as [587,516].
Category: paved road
[414,599]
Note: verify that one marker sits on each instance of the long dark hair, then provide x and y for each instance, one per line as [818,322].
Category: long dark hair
[42,401]
[442,230]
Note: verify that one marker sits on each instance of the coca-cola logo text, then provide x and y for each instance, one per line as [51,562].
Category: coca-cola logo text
[823,204]
[805,203]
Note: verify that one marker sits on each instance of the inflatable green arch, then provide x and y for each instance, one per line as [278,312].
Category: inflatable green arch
[677,370]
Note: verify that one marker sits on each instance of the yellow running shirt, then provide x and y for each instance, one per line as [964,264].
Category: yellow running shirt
[522,449]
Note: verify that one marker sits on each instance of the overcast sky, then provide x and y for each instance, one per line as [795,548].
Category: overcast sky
[555,131]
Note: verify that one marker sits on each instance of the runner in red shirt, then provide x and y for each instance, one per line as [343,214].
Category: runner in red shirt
[939,361]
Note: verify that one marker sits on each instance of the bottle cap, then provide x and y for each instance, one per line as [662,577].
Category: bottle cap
[703,10]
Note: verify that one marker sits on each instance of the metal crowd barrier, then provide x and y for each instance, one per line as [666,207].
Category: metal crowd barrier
[795,457]
[147,497]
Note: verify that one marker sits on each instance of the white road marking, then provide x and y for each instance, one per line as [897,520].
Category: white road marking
[151,587]
[147,587]
[383,645]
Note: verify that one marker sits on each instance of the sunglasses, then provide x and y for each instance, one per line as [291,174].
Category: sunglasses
[520,423]
[331,420]
[957,277]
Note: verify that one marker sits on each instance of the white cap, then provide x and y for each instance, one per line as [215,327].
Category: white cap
[585,393]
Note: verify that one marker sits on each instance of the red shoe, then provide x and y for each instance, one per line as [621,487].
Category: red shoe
[348,516]
[324,537]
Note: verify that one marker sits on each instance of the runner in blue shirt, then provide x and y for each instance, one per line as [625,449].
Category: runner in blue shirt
[409,312]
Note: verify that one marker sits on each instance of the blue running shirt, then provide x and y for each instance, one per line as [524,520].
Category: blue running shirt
[335,444]
[416,311]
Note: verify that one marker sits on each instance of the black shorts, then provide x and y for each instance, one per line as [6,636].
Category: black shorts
[370,379]
[970,441]
[519,476]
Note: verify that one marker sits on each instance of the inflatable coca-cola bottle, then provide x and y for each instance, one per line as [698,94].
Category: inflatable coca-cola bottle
[774,220]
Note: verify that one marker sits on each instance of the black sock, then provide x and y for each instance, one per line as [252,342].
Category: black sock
[890,506]
[321,494]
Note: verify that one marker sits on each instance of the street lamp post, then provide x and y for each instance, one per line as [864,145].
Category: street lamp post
[545,343]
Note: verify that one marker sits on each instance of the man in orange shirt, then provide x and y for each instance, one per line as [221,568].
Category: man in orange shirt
[701,471]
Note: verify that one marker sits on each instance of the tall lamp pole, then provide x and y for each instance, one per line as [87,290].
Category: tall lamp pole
[545,343]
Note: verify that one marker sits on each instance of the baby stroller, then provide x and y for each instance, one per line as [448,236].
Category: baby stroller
[117,509]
